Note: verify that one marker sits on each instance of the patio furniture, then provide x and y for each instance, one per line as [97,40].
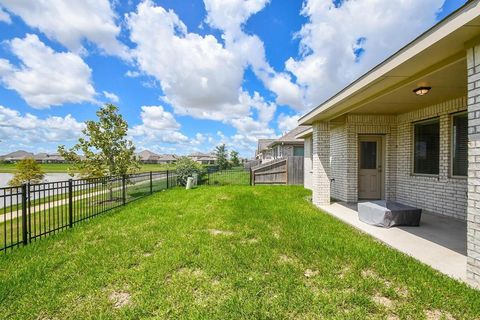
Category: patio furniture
[388,214]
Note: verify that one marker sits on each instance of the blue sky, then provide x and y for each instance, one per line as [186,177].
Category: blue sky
[188,75]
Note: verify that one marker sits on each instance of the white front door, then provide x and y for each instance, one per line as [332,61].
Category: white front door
[370,167]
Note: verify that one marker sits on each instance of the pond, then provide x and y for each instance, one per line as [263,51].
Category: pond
[49,177]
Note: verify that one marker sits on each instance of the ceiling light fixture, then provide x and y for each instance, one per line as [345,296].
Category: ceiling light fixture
[421,91]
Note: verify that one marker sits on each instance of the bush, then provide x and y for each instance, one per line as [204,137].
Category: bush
[186,167]
[27,170]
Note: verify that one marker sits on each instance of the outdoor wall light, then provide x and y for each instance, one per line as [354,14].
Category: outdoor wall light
[421,91]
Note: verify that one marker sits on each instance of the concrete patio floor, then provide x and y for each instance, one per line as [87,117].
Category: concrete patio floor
[439,242]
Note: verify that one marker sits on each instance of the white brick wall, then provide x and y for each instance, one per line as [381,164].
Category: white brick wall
[321,164]
[307,163]
[473,224]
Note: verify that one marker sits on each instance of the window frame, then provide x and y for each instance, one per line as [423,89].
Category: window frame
[412,162]
[452,151]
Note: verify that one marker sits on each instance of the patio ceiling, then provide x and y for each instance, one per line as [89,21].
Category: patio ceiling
[437,58]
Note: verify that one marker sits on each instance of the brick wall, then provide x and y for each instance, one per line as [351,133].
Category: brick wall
[473,224]
[321,163]
[307,163]
[339,162]
[440,194]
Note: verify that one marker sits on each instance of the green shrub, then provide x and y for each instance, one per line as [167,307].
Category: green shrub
[186,167]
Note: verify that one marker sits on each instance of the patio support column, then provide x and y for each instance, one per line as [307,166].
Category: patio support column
[473,211]
[321,163]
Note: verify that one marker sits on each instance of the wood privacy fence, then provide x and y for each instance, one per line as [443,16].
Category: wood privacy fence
[282,171]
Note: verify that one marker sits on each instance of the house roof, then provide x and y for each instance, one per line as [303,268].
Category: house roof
[203,156]
[19,154]
[290,137]
[146,155]
[263,144]
[168,157]
[437,56]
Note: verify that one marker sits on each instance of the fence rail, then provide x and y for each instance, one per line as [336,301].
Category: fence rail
[34,211]
[282,171]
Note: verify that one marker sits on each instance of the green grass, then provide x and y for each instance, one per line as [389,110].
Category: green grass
[234,252]
[229,177]
[63,167]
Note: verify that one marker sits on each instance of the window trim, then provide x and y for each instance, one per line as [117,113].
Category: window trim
[412,151]
[451,175]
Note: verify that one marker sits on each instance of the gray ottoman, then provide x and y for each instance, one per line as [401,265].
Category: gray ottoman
[388,214]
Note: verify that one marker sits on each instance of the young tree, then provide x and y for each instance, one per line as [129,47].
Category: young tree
[222,157]
[234,158]
[27,170]
[105,147]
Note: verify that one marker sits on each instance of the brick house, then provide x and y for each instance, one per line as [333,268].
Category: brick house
[288,145]
[408,130]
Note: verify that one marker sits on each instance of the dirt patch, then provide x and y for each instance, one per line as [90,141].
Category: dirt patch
[216,232]
[438,314]
[147,254]
[250,241]
[120,299]
[224,197]
[283,258]
[191,273]
[383,301]
[402,292]
[309,273]
[370,274]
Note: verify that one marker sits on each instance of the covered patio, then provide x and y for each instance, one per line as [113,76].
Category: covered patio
[408,131]
[439,242]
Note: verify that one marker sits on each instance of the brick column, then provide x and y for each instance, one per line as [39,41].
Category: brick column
[473,211]
[321,163]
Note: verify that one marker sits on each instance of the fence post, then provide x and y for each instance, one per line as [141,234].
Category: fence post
[124,193]
[70,203]
[251,180]
[151,183]
[24,214]
[168,180]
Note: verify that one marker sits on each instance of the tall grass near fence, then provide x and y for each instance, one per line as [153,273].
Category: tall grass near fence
[34,211]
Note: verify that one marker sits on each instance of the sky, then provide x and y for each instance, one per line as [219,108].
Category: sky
[188,75]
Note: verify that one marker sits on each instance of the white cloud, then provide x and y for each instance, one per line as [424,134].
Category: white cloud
[28,129]
[45,77]
[72,22]
[111,96]
[340,43]
[197,74]
[287,123]
[157,126]
[230,15]
[4,16]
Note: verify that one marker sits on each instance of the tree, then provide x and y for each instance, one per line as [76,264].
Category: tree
[27,170]
[222,157]
[105,147]
[234,158]
[186,167]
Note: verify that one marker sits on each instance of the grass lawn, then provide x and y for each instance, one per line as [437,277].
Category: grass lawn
[63,167]
[223,253]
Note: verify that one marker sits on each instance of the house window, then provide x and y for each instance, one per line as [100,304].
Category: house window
[460,144]
[427,147]
[298,151]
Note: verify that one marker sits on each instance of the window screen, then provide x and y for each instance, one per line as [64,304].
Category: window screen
[460,144]
[427,147]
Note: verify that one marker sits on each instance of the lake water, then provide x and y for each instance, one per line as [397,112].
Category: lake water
[49,177]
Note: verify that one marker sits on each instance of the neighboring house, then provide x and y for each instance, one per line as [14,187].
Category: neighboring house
[148,157]
[17,156]
[409,130]
[288,145]
[167,159]
[48,158]
[203,158]
[264,153]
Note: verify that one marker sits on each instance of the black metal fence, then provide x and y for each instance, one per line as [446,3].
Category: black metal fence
[234,176]
[33,211]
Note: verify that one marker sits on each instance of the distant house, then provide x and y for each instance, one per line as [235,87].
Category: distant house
[17,156]
[288,145]
[167,158]
[203,158]
[264,153]
[48,158]
[147,156]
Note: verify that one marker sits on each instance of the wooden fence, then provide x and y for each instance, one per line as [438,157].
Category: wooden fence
[282,171]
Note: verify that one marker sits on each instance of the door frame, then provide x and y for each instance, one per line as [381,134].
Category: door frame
[381,138]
